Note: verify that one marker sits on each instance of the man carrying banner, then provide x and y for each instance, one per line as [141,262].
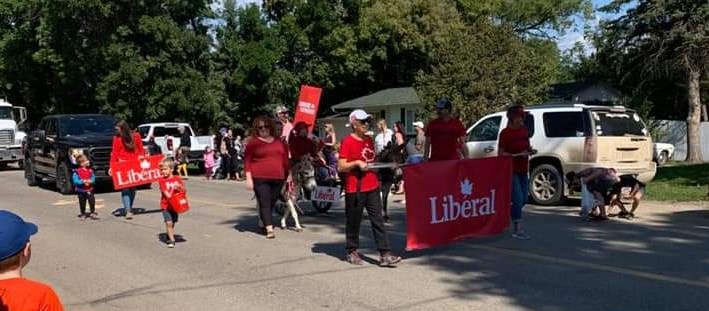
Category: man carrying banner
[514,142]
[362,190]
[445,135]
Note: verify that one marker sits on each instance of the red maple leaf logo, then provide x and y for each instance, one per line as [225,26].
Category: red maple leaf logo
[368,154]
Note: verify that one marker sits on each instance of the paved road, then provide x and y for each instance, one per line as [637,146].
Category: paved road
[657,262]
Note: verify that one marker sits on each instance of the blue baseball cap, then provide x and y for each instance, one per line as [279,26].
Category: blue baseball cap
[14,234]
[444,103]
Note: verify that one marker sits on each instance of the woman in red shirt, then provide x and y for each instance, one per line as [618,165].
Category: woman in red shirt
[127,146]
[362,190]
[514,142]
[266,164]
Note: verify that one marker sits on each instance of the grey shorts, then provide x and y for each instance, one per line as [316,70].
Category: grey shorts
[170,216]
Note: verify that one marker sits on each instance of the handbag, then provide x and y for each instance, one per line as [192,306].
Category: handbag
[178,203]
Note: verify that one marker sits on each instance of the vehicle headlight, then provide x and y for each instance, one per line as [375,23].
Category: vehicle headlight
[73,153]
[19,137]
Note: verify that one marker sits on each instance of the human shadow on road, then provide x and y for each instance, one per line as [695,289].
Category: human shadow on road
[162,237]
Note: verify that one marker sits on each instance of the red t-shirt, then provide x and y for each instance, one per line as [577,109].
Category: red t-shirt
[353,149]
[300,146]
[444,137]
[266,160]
[22,294]
[516,141]
[120,153]
[170,185]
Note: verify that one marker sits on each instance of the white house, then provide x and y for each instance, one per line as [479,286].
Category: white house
[393,105]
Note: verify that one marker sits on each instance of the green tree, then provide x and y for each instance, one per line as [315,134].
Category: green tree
[662,39]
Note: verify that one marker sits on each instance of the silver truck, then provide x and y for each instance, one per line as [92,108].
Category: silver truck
[10,136]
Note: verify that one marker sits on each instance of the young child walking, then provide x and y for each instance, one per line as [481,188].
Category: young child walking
[169,186]
[84,180]
[181,161]
[208,162]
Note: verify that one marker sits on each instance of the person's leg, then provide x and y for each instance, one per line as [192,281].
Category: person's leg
[353,219]
[82,204]
[263,196]
[373,204]
[636,201]
[92,202]
[128,197]
[516,211]
[385,190]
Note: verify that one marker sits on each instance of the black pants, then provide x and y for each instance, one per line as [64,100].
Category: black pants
[267,193]
[226,165]
[386,177]
[87,196]
[354,208]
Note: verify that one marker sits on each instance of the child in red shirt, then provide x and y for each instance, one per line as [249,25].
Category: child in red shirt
[84,180]
[169,186]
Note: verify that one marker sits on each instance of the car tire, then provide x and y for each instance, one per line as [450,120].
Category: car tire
[63,180]
[662,158]
[546,185]
[32,179]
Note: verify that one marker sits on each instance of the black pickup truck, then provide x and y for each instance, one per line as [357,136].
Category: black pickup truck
[48,150]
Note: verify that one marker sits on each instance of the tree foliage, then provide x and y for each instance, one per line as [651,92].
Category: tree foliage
[179,60]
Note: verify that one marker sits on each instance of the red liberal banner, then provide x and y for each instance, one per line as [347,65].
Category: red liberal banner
[454,200]
[136,173]
[307,108]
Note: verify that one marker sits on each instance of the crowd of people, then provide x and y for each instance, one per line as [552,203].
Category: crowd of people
[271,148]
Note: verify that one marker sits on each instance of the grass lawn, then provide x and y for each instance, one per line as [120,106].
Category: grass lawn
[679,183]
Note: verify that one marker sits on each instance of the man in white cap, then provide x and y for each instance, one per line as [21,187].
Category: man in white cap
[362,190]
[284,117]
[416,147]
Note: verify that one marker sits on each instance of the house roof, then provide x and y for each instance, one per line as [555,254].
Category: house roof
[566,91]
[383,98]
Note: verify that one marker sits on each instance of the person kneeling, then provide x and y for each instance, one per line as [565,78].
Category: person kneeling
[637,190]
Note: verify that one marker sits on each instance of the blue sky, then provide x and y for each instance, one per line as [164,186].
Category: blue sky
[576,34]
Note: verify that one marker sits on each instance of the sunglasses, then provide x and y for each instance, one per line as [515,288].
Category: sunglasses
[263,127]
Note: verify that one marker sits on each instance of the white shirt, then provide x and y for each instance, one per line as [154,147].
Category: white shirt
[382,139]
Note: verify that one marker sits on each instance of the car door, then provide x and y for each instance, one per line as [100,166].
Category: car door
[482,137]
[45,149]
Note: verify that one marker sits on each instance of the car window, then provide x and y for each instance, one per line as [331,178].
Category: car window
[529,123]
[143,131]
[50,128]
[564,124]
[486,130]
[609,123]
[87,125]
[160,131]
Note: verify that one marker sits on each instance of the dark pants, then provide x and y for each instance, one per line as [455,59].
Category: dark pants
[354,208]
[267,193]
[83,198]
[387,181]
[226,165]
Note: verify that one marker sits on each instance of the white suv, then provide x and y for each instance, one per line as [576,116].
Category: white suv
[570,138]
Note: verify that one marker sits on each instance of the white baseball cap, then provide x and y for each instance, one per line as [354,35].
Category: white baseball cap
[418,124]
[359,115]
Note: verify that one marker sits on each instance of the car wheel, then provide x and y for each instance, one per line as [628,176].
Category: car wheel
[63,180]
[662,158]
[546,185]
[32,179]
[21,164]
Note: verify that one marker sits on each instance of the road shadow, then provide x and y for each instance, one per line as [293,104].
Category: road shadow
[162,238]
[137,211]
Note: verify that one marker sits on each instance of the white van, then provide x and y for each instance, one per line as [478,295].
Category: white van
[570,138]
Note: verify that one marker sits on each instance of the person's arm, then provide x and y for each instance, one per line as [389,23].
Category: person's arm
[115,149]
[427,150]
[286,162]
[76,180]
[248,157]
[138,142]
[92,180]
[463,147]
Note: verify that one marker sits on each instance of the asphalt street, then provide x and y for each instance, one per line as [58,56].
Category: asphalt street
[660,261]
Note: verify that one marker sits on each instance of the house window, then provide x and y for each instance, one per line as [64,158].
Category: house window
[410,119]
[383,114]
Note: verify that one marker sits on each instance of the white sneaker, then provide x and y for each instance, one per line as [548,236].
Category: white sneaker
[521,236]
